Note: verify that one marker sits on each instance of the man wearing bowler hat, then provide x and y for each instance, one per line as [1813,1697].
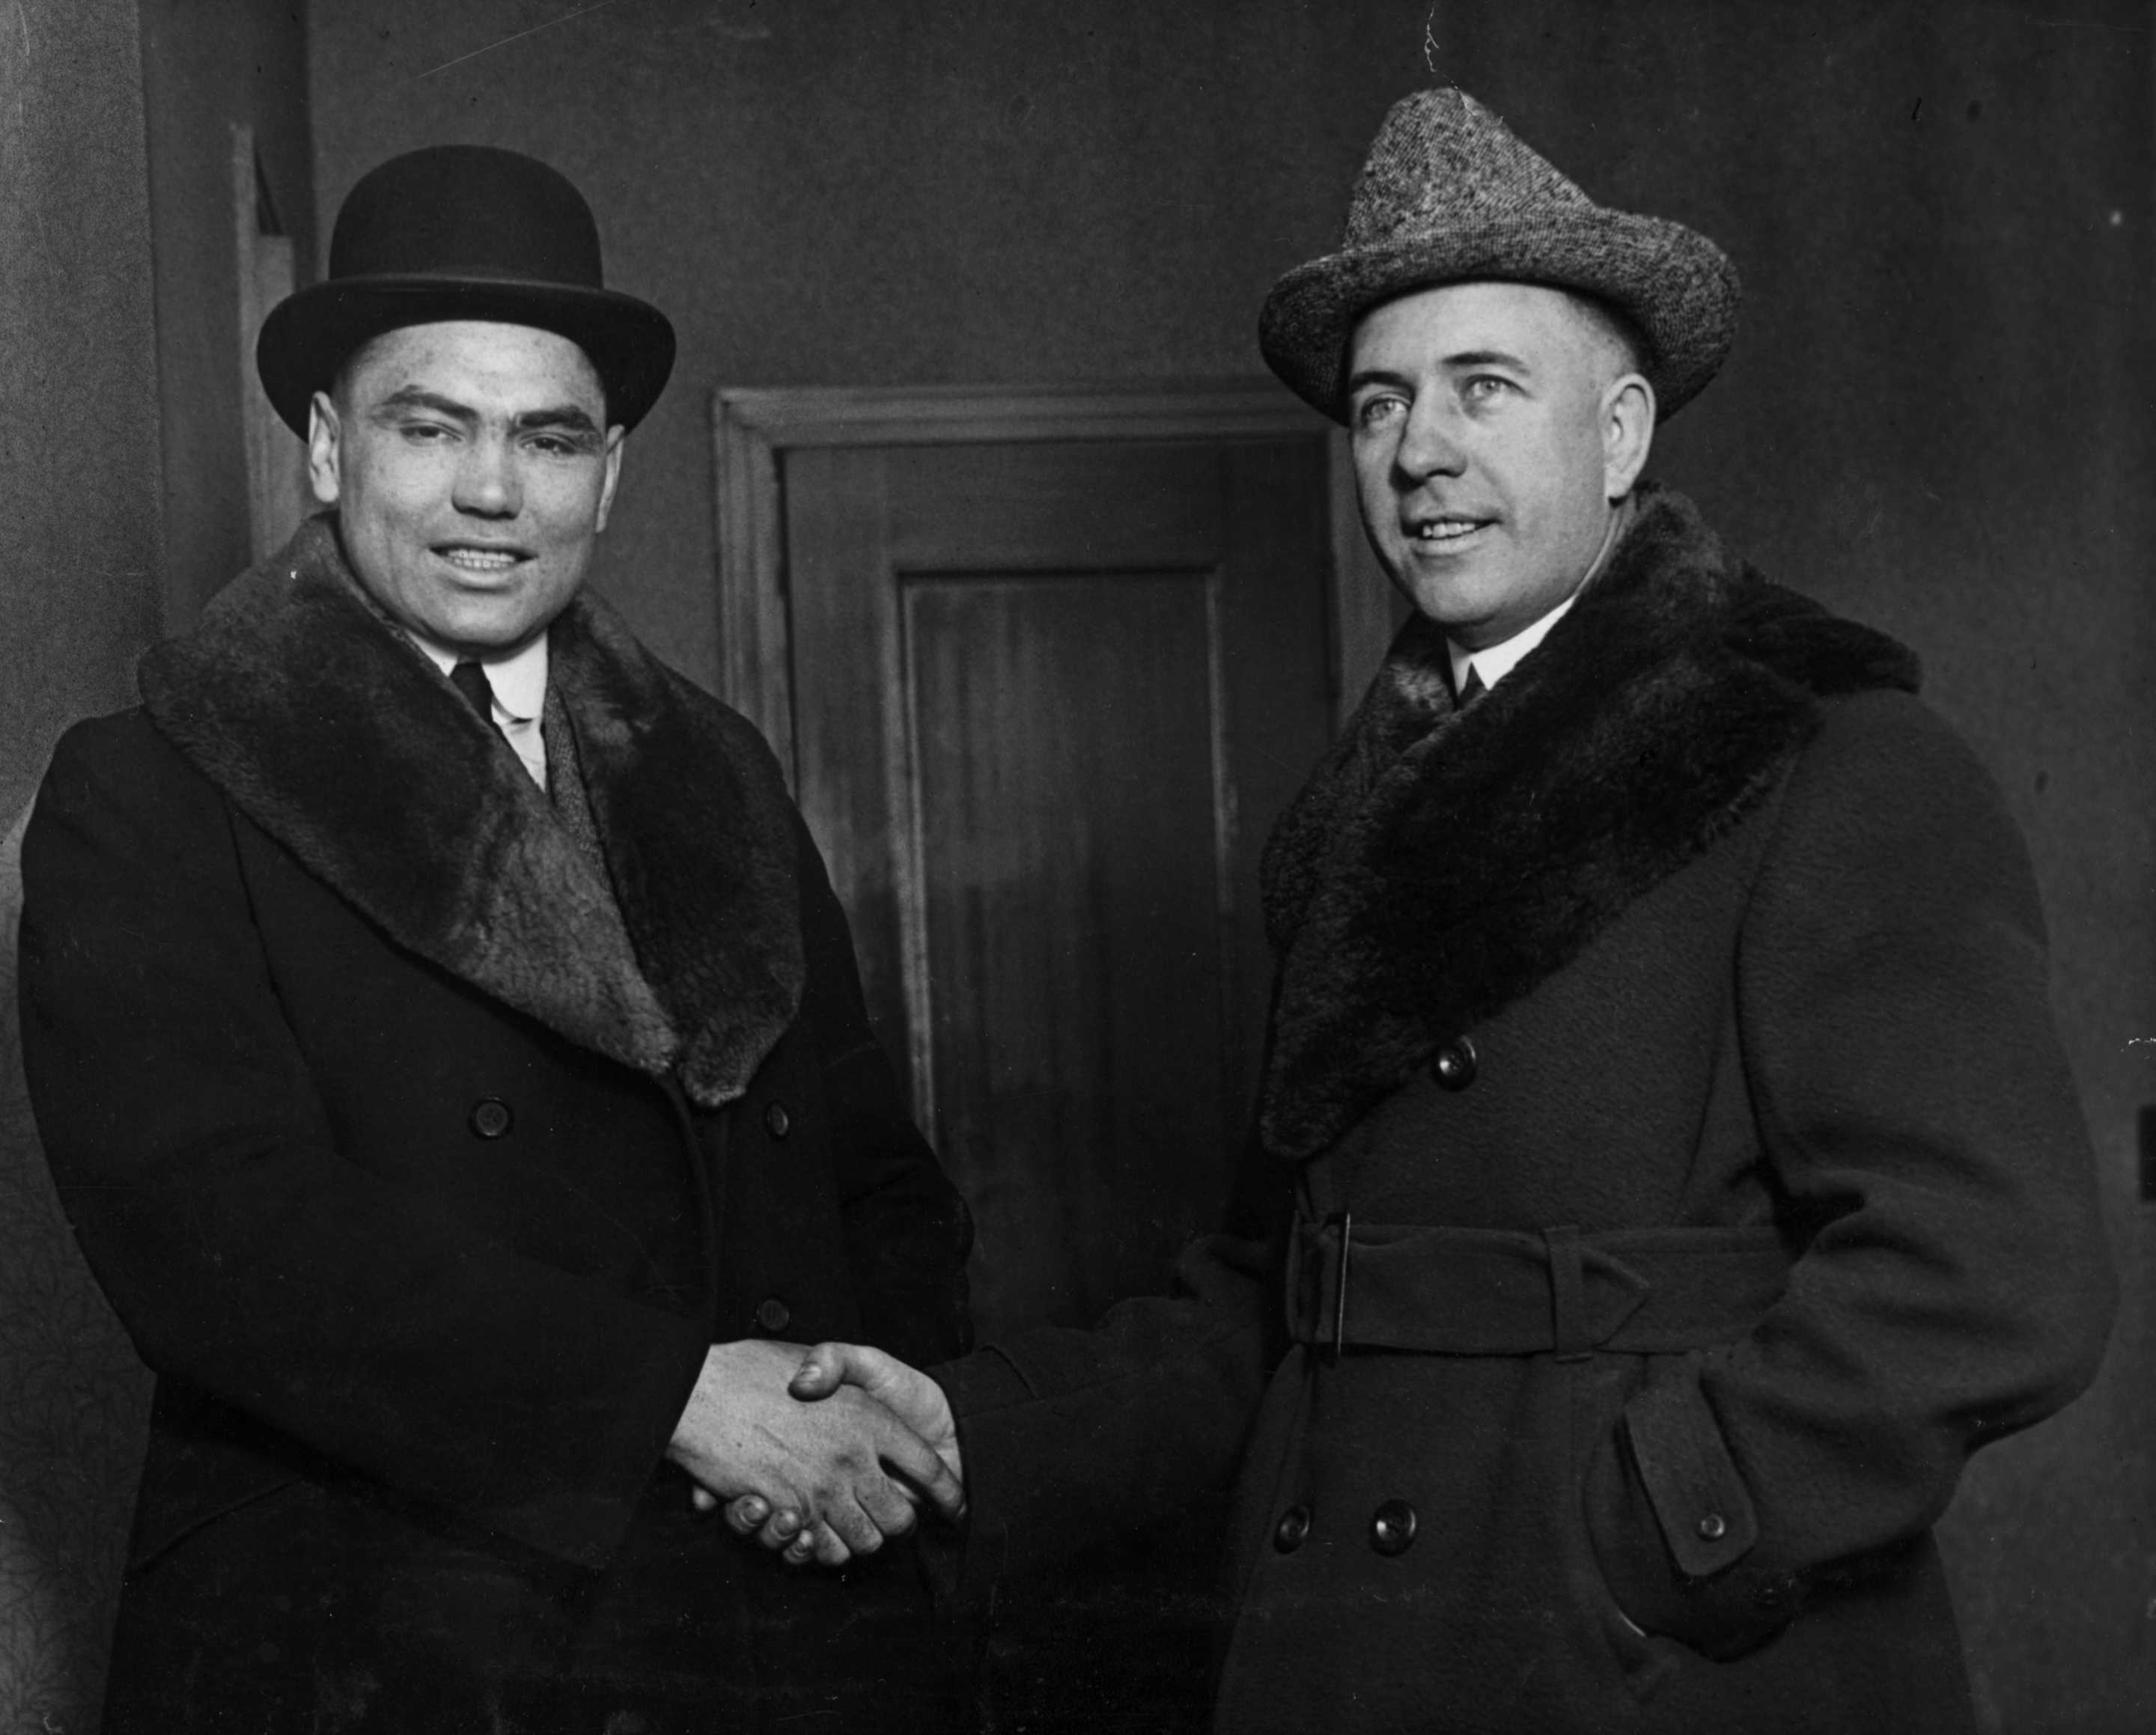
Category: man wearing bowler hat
[451,1057]
[1665,1172]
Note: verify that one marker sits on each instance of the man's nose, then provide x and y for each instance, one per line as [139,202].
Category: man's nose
[488,485]
[1428,445]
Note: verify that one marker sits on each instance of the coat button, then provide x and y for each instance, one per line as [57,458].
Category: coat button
[777,1121]
[490,1117]
[1712,1527]
[1453,1065]
[1393,1527]
[774,1315]
[1293,1527]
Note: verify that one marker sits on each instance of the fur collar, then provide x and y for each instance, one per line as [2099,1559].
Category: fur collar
[1438,865]
[322,725]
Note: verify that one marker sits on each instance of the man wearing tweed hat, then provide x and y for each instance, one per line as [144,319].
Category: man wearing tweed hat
[1666,1172]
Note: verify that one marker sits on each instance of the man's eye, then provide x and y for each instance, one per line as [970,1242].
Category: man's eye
[1484,387]
[553,445]
[424,432]
[1373,411]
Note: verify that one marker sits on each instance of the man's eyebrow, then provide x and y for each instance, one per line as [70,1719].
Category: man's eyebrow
[406,397]
[565,417]
[1459,359]
[1488,358]
[1363,377]
[568,418]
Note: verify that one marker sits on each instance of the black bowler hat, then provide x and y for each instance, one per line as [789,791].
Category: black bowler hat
[463,232]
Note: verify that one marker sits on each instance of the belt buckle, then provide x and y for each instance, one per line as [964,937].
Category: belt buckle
[1345,1221]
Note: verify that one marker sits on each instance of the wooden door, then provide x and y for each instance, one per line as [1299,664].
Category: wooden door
[1046,695]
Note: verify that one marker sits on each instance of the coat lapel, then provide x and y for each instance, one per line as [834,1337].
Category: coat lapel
[703,841]
[1440,864]
[329,732]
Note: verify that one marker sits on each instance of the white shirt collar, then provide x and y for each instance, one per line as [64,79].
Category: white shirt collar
[518,677]
[1494,662]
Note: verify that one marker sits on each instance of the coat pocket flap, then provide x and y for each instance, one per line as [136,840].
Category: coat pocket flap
[1704,1508]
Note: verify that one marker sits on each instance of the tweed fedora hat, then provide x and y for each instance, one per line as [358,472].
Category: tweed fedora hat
[1450,195]
[463,232]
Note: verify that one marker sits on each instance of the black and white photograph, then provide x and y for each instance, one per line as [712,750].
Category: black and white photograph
[1076,867]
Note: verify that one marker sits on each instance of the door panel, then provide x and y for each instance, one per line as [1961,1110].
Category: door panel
[1047,697]
[1105,507]
[1070,843]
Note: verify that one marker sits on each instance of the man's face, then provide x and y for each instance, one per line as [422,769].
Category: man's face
[471,467]
[1493,430]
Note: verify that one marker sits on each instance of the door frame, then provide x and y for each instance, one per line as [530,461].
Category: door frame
[752,428]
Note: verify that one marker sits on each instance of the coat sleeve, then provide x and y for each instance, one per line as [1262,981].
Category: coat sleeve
[1927,1145]
[1072,1437]
[907,1230]
[247,1257]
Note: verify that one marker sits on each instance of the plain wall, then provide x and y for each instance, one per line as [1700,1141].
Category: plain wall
[80,540]
[79,444]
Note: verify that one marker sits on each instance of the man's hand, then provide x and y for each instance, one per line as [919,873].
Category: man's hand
[841,1369]
[823,1462]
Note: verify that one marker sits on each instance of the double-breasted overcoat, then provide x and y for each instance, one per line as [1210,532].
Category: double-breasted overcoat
[1666,1175]
[424,1132]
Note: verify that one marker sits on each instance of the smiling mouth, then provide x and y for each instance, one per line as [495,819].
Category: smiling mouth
[467,558]
[1443,530]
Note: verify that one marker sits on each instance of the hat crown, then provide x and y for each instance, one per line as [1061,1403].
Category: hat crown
[1450,194]
[467,211]
[1441,161]
[463,232]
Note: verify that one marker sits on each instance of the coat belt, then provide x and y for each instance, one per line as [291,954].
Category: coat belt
[1508,1292]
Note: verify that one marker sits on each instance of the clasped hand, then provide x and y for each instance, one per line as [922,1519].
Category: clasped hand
[823,1457]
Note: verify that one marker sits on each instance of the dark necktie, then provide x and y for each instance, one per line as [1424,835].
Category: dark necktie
[1471,689]
[469,679]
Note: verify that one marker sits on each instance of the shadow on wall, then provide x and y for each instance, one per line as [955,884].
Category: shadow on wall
[74,1422]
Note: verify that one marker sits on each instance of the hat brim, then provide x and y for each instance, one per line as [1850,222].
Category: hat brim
[1675,286]
[308,335]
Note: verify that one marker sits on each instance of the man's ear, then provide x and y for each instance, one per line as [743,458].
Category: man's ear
[1628,433]
[614,436]
[325,435]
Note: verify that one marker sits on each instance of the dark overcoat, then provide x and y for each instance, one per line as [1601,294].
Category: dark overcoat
[1667,1174]
[423,1133]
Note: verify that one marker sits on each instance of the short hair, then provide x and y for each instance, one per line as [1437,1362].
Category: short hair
[340,380]
[1612,330]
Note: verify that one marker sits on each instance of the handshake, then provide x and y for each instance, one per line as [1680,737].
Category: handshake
[820,1453]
